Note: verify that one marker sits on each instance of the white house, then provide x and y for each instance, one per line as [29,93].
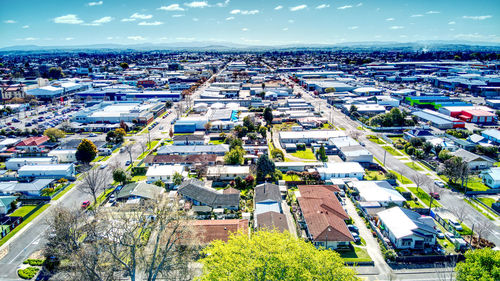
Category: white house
[224,173]
[15,164]
[54,171]
[164,173]
[474,161]
[309,137]
[380,192]
[491,177]
[341,170]
[64,155]
[407,229]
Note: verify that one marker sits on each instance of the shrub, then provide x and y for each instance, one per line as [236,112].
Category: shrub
[390,255]
[28,273]
[34,262]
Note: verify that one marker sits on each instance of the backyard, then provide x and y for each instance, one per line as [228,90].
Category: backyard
[304,154]
[374,175]
[22,211]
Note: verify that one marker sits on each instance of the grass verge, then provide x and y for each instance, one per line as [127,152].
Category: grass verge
[25,222]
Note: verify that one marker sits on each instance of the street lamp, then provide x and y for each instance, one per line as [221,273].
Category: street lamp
[326,240]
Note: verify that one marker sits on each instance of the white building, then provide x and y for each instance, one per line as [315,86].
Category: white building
[164,173]
[380,192]
[309,137]
[15,164]
[341,170]
[64,155]
[54,171]
[224,173]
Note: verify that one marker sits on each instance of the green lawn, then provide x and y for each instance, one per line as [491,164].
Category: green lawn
[25,222]
[375,139]
[357,255]
[139,178]
[216,142]
[394,139]
[64,191]
[424,197]
[342,128]
[473,184]
[413,166]
[101,197]
[475,206]
[374,176]
[304,154]
[392,150]
[291,177]
[97,159]
[487,201]
[403,179]
[22,211]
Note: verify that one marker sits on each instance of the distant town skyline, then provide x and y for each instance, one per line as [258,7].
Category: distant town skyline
[258,22]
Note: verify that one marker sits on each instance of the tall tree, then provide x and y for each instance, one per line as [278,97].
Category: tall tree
[268,115]
[265,167]
[119,175]
[235,156]
[480,264]
[322,154]
[86,151]
[54,134]
[271,256]
[94,181]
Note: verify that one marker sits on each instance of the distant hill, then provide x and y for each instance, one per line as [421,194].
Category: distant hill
[229,46]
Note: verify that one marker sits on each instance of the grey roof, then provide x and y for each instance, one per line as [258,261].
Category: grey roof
[468,156]
[139,189]
[270,220]
[196,190]
[475,138]
[34,186]
[267,191]
[190,137]
[193,149]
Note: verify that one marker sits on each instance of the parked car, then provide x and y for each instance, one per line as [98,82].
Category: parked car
[127,163]
[439,183]
[440,234]
[450,236]
[353,228]
[93,135]
[456,225]
[356,237]
[85,204]
[435,195]
[103,166]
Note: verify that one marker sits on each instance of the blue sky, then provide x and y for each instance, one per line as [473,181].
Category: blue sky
[257,22]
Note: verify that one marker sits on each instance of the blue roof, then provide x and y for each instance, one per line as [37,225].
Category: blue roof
[492,133]
[434,119]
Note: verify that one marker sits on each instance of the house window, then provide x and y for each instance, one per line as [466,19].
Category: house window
[406,242]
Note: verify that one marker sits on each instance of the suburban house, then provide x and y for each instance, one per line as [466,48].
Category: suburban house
[308,137]
[219,149]
[407,229]
[164,173]
[297,166]
[33,188]
[226,173]
[323,217]
[355,154]
[210,230]
[32,144]
[196,192]
[417,133]
[15,164]
[193,139]
[54,171]
[193,159]
[5,204]
[268,212]
[272,220]
[341,170]
[378,193]
[63,155]
[474,161]
[491,177]
[137,191]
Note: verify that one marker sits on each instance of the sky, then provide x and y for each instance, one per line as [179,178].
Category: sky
[249,22]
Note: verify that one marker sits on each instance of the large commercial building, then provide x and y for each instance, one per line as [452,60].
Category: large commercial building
[116,112]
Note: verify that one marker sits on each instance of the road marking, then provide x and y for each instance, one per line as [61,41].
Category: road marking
[37,237]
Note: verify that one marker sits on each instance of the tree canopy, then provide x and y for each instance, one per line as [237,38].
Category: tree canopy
[86,151]
[479,265]
[271,255]
[234,156]
[54,134]
[265,167]
[268,115]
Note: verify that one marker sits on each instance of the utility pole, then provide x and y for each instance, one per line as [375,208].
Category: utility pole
[385,153]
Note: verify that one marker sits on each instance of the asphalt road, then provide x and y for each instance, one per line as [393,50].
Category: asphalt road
[449,199]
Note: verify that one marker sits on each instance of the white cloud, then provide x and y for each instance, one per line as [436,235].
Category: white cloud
[244,29]
[322,6]
[9,21]
[298,8]
[98,3]
[127,20]
[291,21]
[152,23]
[344,7]
[389,19]
[230,18]
[196,19]
[140,16]
[69,38]
[68,19]
[433,12]
[223,4]
[103,20]
[477,17]
[452,22]
[172,7]
[353,27]
[197,4]
[136,38]
[397,27]
[417,16]
[244,12]
[359,4]
[27,39]
[26,26]
[110,38]
[279,7]
[177,16]
[285,29]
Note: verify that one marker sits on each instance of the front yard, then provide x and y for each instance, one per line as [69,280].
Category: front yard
[304,154]
[422,195]
[358,254]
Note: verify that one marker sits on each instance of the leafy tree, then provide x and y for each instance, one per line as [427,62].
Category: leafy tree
[119,175]
[444,154]
[235,143]
[322,154]
[330,90]
[417,142]
[479,265]
[159,183]
[247,122]
[177,178]
[271,256]
[55,73]
[54,134]
[456,169]
[427,147]
[86,151]
[278,155]
[268,115]
[235,156]
[116,136]
[265,167]
[124,65]
[171,133]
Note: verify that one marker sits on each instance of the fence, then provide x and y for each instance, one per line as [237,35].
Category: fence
[372,226]
[486,206]
[430,259]
[491,191]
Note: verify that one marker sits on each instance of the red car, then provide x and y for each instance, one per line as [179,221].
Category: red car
[435,195]
[85,204]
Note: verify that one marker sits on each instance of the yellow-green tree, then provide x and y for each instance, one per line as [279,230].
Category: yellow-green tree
[271,255]
[86,151]
[54,134]
[479,265]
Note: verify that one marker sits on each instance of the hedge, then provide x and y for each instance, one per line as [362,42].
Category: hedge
[28,273]
[34,262]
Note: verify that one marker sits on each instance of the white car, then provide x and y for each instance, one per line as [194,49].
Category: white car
[439,183]
[103,166]
[456,225]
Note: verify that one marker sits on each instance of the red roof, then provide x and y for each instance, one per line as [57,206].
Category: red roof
[323,213]
[478,112]
[308,188]
[33,141]
[210,230]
